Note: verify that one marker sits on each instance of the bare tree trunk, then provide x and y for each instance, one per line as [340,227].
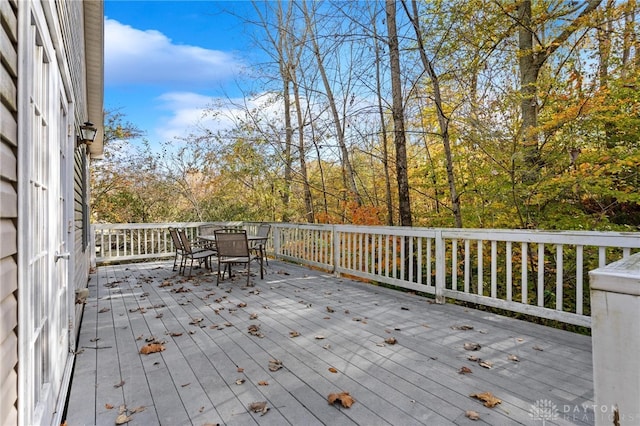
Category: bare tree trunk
[443,120]
[308,200]
[349,175]
[383,128]
[397,111]
[532,58]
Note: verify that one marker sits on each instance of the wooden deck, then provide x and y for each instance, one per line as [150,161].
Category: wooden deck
[213,368]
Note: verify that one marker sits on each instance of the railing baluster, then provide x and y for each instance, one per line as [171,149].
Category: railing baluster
[579,279]
[480,269]
[541,275]
[494,269]
[509,270]
[524,281]
[559,276]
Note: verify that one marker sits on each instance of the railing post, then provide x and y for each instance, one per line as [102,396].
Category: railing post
[276,241]
[440,267]
[615,337]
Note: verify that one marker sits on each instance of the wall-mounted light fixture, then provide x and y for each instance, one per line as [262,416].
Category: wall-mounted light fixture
[87,133]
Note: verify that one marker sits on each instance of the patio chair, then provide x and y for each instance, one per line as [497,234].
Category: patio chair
[233,248]
[178,246]
[258,246]
[190,253]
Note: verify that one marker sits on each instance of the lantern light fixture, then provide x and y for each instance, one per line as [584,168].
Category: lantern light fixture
[87,133]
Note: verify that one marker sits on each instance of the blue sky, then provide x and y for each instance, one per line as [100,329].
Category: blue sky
[165,61]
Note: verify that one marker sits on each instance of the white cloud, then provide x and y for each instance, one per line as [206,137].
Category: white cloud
[188,111]
[134,56]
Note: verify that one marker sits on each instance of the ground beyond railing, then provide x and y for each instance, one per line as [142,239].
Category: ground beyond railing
[539,273]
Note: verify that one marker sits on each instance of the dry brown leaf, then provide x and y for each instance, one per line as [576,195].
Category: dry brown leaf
[253,316]
[538,348]
[275,364]
[343,398]
[293,333]
[138,409]
[152,348]
[319,337]
[242,305]
[119,385]
[472,415]
[333,370]
[462,327]
[330,309]
[175,334]
[259,407]
[122,419]
[486,364]
[239,381]
[390,341]
[108,406]
[464,370]
[489,400]
[513,358]
[240,370]
[263,383]
[472,346]
[473,358]
[103,310]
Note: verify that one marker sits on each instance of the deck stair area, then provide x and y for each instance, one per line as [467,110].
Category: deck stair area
[330,335]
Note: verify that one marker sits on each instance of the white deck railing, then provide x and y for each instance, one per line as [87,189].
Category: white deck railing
[539,273]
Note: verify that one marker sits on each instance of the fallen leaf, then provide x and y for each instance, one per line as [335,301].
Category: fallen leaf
[391,340]
[404,308]
[122,419]
[275,364]
[137,409]
[538,348]
[343,398]
[108,406]
[327,346]
[333,370]
[242,305]
[259,407]
[263,383]
[152,348]
[514,358]
[330,309]
[462,327]
[119,385]
[464,370]
[293,334]
[240,370]
[253,316]
[196,321]
[472,346]
[185,385]
[472,415]
[103,310]
[239,381]
[175,334]
[489,400]
[486,364]
[473,358]
[319,337]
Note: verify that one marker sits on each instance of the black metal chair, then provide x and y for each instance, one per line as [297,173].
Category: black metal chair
[193,254]
[233,248]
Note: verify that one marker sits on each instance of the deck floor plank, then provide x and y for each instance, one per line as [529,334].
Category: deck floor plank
[208,347]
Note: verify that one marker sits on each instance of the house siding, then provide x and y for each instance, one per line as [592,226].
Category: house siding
[8,213]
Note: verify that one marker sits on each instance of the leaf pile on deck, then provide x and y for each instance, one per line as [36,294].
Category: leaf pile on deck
[343,398]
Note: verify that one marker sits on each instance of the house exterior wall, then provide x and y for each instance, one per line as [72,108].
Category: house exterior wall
[49,86]
[8,212]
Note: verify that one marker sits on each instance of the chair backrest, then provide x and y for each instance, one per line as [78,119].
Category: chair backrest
[176,239]
[186,244]
[231,243]
[207,229]
[263,230]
